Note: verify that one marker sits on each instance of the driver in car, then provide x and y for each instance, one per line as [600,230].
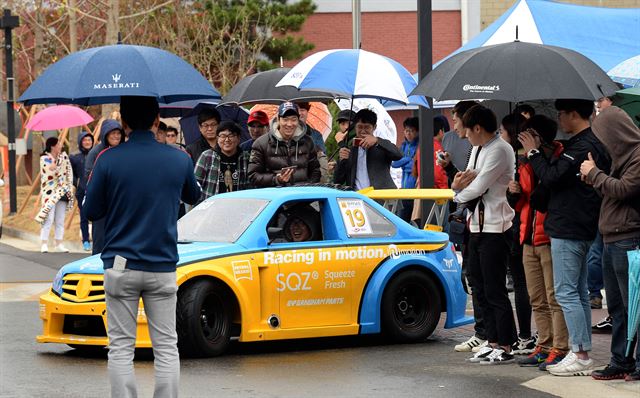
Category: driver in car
[302,224]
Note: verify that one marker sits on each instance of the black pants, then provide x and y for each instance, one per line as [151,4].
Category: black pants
[523,306]
[488,257]
[478,326]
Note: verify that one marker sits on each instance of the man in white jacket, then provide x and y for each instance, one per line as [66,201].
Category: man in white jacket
[483,186]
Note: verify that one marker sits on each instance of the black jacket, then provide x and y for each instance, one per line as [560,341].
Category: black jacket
[78,165]
[196,148]
[574,206]
[379,158]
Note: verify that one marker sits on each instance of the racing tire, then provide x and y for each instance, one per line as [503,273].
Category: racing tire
[203,319]
[410,309]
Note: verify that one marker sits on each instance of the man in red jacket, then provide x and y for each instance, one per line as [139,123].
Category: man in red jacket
[552,345]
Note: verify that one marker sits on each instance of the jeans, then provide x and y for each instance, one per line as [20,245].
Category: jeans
[594,264]
[158,291]
[56,218]
[570,283]
[615,268]
[487,258]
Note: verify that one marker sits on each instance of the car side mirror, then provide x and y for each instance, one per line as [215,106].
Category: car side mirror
[274,233]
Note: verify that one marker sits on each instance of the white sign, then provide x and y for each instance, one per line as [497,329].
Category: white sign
[355,217]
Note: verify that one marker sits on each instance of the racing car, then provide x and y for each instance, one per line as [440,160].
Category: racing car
[246,273]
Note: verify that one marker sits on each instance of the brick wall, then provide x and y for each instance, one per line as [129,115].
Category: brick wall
[391,34]
[492,9]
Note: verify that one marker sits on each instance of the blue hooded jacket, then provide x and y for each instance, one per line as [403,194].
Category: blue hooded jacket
[107,125]
[77,164]
[408,149]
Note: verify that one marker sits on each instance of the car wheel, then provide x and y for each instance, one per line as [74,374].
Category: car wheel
[410,307]
[203,319]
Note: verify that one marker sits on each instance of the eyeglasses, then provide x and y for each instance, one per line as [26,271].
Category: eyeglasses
[227,137]
[170,135]
[209,126]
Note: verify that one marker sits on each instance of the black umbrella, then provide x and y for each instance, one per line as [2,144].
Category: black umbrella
[261,88]
[514,72]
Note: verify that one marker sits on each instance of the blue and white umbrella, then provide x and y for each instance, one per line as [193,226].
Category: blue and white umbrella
[101,75]
[627,72]
[352,74]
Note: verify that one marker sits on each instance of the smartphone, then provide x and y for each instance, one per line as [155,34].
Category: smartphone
[357,142]
[289,168]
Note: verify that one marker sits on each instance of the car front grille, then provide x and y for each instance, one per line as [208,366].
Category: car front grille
[84,325]
[82,288]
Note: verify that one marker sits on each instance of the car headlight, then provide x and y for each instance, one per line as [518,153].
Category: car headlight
[57,282]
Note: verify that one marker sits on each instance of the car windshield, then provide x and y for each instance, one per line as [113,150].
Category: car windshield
[219,220]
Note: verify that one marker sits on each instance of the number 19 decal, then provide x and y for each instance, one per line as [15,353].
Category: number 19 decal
[354,216]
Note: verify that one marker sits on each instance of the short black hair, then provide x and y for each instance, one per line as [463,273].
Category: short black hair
[582,107]
[229,126]
[162,126]
[462,107]
[481,116]
[137,112]
[514,124]
[412,122]
[438,124]
[526,108]
[546,127]
[171,128]
[208,114]
[50,143]
[366,116]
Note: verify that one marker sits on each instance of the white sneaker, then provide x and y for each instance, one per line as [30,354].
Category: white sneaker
[44,248]
[478,348]
[481,355]
[61,249]
[469,345]
[571,365]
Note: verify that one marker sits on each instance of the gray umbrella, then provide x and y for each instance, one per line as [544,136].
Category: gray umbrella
[261,88]
[514,72]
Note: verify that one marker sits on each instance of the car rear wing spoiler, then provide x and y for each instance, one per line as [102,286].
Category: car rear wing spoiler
[439,197]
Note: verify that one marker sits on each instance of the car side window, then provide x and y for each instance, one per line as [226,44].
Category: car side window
[298,221]
[362,220]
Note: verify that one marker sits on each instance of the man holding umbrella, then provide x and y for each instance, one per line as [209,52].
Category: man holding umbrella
[620,228]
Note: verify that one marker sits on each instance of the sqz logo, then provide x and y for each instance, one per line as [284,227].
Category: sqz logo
[116,78]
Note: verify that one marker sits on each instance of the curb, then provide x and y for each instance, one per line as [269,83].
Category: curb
[74,247]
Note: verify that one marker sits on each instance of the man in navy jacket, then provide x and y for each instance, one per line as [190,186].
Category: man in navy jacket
[137,186]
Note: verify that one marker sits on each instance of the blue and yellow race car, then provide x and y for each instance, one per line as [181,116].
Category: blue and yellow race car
[281,263]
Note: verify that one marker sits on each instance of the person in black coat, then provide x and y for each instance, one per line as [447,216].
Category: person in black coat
[85,143]
[208,121]
[368,161]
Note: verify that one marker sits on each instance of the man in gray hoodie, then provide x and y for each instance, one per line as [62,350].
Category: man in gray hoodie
[619,225]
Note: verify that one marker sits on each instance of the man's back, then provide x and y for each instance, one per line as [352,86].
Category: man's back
[138,186]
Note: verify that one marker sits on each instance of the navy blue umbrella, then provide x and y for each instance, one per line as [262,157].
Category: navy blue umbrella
[101,75]
[189,122]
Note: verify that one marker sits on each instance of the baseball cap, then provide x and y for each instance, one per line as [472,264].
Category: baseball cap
[345,114]
[287,109]
[258,116]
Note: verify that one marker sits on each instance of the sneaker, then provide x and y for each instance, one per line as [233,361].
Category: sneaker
[603,327]
[482,354]
[596,303]
[609,373]
[478,348]
[468,345]
[86,246]
[571,365]
[61,249]
[524,346]
[498,357]
[634,376]
[555,357]
[44,248]
[534,359]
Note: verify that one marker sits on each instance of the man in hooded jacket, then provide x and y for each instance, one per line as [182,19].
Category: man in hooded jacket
[108,126]
[286,155]
[85,143]
[619,225]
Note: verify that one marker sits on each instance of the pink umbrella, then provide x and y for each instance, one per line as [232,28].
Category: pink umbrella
[58,117]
